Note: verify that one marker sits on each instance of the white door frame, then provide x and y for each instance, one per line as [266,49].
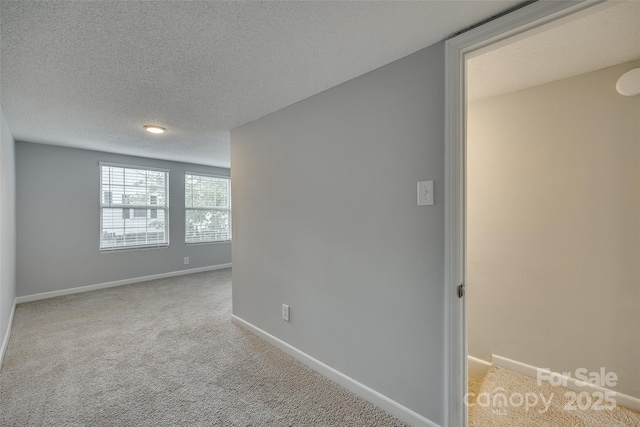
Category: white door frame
[499,32]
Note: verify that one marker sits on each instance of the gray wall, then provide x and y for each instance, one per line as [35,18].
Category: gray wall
[325,219]
[554,227]
[58,223]
[7,225]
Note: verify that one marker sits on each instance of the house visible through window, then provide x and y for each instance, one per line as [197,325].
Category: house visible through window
[208,208]
[154,201]
[134,207]
[140,213]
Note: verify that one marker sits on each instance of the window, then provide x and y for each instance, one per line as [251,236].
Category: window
[134,210]
[208,208]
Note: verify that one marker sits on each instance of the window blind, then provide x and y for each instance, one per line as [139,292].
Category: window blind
[208,208]
[134,207]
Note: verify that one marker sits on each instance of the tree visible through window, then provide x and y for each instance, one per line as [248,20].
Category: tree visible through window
[134,207]
[208,208]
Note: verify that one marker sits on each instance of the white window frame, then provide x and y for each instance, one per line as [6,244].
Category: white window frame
[186,209]
[113,205]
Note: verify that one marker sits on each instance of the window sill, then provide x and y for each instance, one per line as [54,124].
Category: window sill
[215,242]
[130,249]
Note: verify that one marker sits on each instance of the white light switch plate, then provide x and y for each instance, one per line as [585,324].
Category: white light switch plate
[285,312]
[425,193]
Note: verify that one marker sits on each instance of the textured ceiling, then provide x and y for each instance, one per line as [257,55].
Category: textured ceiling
[601,39]
[89,74]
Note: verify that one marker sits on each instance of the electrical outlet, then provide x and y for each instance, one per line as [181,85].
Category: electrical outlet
[285,312]
[186,260]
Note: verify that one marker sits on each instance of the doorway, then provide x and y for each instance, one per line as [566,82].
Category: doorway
[462,226]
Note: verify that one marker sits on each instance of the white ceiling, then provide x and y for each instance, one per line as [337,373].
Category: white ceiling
[601,39]
[90,74]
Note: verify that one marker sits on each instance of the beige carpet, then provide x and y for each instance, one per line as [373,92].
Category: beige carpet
[515,414]
[160,353]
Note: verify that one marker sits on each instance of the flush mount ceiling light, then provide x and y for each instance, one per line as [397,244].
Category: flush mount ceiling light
[154,129]
[629,83]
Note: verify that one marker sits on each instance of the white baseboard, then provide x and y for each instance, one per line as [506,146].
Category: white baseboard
[515,366]
[7,335]
[392,407]
[52,294]
[574,384]
[477,366]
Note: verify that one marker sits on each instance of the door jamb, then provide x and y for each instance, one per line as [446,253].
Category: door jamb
[492,35]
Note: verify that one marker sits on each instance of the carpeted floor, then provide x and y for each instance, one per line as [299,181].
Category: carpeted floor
[559,413]
[156,354]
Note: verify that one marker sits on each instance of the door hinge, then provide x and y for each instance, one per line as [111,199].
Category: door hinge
[460,290]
